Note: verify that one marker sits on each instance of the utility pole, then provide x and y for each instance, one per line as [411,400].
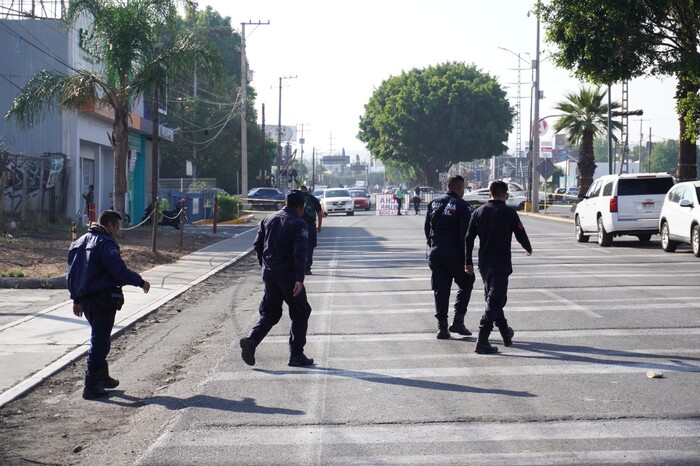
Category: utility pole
[610,152]
[649,154]
[279,132]
[641,140]
[194,146]
[535,196]
[263,176]
[244,108]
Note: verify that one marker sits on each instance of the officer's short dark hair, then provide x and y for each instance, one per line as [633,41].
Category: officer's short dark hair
[454,181]
[498,188]
[109,216]
[295,198]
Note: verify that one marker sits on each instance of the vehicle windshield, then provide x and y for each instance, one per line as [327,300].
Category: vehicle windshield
[337,193]
[358,194]
[643,186]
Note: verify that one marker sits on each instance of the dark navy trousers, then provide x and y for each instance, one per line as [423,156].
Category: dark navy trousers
[101,320]
[271,312]
[496,296]
[447,265]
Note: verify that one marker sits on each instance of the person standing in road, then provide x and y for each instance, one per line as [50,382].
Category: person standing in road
[416,199]
[96,274]
[399,195]
[494,223]
[281,245]
[446,223]
[313,212]
[89,197]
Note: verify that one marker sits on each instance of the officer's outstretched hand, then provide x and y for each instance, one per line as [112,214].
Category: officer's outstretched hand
[77,310]
[146,286]
[528,253]
[469,269]
[298,288]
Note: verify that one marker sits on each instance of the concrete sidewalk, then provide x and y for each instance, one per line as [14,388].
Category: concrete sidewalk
[42,342]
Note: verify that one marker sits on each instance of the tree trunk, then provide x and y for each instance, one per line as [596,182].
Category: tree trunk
[120,133]
[687,152]
[586,162]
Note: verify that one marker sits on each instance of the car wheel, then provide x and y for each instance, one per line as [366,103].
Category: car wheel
[351,213]
[605,239]
[580,237]
[644,238]
[666,243]
[695,240]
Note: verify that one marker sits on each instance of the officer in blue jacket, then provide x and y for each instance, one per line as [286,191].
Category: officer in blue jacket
[281,245]
[446,223]
[96,273]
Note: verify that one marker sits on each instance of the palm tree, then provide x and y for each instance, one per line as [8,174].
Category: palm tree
[125,40]
[584,115]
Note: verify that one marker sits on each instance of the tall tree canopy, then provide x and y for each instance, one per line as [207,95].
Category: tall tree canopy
[607,41]
[429,119]
[584,116]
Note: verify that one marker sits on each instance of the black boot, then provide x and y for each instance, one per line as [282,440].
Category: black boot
[300,360]
[248,350]
[458,326]
[106,381]
[507,334]
[482,345]
[93,388]
[443,333]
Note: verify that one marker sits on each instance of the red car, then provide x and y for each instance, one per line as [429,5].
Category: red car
[361,199]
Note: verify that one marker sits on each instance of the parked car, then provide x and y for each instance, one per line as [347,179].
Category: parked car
[318,193]
[617,205]
[569,195]
[680,217]
[336,200]
[361,199]
[477,197]
[265,198]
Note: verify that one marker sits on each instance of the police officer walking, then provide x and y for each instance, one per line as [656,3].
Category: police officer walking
[312,212]
[96,273]
[281,245]
[494,223]
[446,223]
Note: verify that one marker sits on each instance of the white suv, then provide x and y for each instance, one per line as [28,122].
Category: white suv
[618,205]
[338,200]
[680,217]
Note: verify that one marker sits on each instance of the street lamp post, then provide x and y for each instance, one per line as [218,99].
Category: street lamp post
[279,132]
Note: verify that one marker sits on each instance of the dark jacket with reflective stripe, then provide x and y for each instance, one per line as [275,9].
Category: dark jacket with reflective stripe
[281,246]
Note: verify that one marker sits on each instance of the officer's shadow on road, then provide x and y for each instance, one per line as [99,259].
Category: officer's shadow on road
[246,405]
[402,381]
[592,355]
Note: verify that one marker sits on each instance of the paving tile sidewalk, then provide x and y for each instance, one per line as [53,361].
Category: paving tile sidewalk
[40,344]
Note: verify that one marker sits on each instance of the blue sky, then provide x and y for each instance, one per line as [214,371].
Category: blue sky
[341,51]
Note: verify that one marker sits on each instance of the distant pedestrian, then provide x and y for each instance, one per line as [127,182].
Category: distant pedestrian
[96,274]
[494,223]
[399,195]
[416,199]
[281,245]
[89,197]
[446,222]
[313,213]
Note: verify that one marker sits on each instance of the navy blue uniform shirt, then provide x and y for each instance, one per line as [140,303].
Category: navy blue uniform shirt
[281,246]
[495,223]
[449,227]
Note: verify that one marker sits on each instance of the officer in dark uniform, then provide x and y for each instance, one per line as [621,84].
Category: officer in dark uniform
[446,223]
[281,249]
[96,273]
[494,223]
[313,212]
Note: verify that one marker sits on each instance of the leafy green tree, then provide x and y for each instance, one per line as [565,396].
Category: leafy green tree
[124,39]
[607,41]
[584,116]
[429,119]
[664,156]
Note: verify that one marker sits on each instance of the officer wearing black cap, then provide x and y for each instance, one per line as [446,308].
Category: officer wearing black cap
[446,223]
[281,249]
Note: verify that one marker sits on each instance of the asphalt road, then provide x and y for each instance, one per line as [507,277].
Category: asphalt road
[589,323]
